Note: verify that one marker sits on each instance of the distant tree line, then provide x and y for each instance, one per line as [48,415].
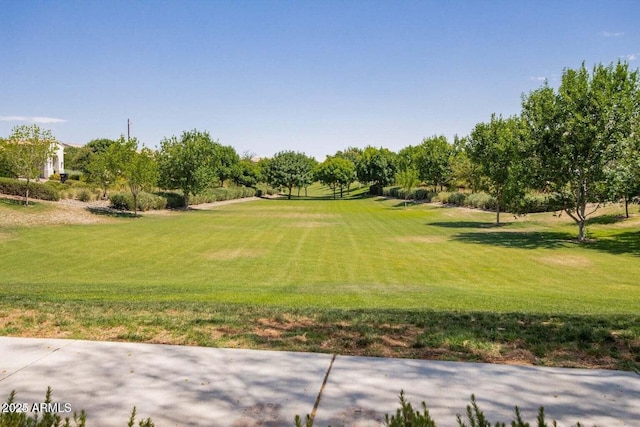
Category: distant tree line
[578,144]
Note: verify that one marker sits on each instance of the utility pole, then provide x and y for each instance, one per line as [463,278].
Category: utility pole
[128,129]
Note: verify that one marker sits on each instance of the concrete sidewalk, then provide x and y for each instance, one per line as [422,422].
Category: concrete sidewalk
[195,386]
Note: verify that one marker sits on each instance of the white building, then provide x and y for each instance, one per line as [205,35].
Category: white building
[55,163]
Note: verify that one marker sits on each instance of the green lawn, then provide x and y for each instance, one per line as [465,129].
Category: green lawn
[361,253]
[311,257]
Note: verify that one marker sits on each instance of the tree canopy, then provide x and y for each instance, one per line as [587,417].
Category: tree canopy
[189,163]
[26,152]
[575,132]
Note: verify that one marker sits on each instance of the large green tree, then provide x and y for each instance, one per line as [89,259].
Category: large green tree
[376,166]
[433,161]
[337,173]
[105,166]
[499,148]
[26,152]
[288,169]
[189,163]
[229,160]
[575,131]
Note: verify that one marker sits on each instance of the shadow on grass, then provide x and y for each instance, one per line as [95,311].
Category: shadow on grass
[468,224]
[104,211]
[521,240]
[605,219]
[623,243]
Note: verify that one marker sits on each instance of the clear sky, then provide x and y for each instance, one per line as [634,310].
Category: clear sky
[312,76]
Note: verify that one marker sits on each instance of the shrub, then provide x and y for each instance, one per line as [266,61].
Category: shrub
[84,195]
[457,199]
[37,190]
[146,201]
[54,177]
[406,416]
[481,201]
[20,418]
[74,177]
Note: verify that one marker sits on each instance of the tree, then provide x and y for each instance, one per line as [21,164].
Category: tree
[288,169]
[464,172]
[189,163]
[432,160]
[576,130]
[376,166]
[80,158]
[228,167]
[105,167]
[499,148]
[407,179]
[139,169]
[336,172]
[247,173]
[26,152]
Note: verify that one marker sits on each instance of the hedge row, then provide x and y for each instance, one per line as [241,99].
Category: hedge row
[532,203]
[146,201]
[175,199]
[37,190]
[421,194]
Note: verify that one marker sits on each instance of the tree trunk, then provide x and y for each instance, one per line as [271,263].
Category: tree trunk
[581,231]
[498,209]
[626,206]
[26,194]
[135,205]
[186,200]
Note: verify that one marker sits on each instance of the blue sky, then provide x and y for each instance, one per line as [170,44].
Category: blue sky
[312,76]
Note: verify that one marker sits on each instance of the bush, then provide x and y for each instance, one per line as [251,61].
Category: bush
[146,201]
[74,177]
[175,199]
[19,418]
[457,199]
[406,416]
[54,177]
[481,201]
[84,195]
[37,190]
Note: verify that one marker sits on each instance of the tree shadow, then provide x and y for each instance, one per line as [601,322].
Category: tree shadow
[113,213]
[623,243]
[468,224]
[521,240]
[605,219]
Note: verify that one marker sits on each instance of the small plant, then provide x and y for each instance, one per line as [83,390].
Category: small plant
[407,416]
[16,415]
[84,195]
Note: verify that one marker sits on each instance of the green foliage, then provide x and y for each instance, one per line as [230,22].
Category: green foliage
[576,133]
[51,419]
[406,416]
[175,200]
[43,419]
[289,169]
[418,194]
[376,166]
[229,160]
[336,172]
[146,201]
[481,201]
[499,148]
[190,163]
[37,190]
[433,161]
[84,195]
[26,151]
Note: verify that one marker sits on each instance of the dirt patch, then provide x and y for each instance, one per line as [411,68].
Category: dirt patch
[55,213]
[231,254]
[4,236]
[574,261]
[421,239]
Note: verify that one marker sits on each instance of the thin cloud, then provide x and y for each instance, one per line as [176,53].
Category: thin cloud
[538,78]
[31,119]
[632,57]
[610,34]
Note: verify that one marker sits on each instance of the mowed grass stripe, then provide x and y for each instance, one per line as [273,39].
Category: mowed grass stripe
[355,254]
